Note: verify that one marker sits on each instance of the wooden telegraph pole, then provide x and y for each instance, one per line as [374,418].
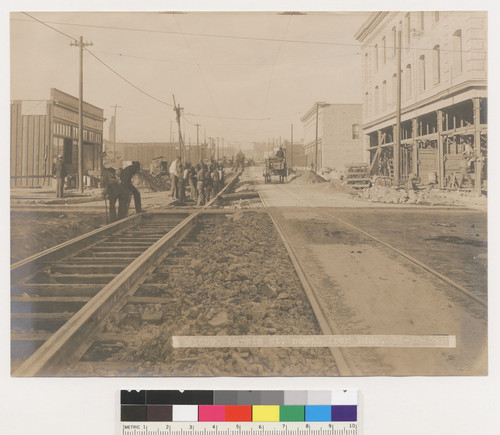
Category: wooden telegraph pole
[316,142]
[177,109]
[397,133]
[198,140]
[81,45]
[114,135]
[291,146]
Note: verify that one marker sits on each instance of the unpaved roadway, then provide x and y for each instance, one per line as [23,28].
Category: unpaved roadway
[367,288]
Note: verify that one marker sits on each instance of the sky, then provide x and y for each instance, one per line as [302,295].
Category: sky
[246,83]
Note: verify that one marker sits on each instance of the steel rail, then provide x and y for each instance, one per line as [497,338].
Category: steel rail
[29,265]
[69,339]
[413,260]
[327,325]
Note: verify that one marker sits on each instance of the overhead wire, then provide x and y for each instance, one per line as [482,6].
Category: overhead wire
[274,63]
[198,65]
[212,35]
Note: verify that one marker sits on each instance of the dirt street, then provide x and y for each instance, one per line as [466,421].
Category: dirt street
[369,289]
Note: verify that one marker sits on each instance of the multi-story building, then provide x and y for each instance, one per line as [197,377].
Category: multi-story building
[43,129]
[332,135]
[443,83]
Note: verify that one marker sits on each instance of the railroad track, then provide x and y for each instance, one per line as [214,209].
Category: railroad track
[60,297]
[479,300]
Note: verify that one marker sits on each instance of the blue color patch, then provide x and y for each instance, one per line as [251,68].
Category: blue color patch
[318,413]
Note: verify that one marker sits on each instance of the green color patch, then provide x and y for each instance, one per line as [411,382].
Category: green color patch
[292,413]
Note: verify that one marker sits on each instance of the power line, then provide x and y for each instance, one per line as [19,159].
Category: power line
[274,63]
[213,35]
[198,65]
[128,81]
[50,27]
[228,64]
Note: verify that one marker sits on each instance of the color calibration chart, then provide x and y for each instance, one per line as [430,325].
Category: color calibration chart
[208,412]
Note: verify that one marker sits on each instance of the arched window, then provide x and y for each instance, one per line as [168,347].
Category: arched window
[421,73]
[408,81]
[436,65]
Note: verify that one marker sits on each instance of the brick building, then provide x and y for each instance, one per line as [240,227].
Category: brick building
[339,135]
[443,93]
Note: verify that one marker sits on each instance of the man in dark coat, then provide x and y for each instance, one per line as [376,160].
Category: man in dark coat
[280,153]
[126,181]
[60,173]
[114,191]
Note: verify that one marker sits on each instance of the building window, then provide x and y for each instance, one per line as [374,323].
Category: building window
[376,57]
[435,16]
[408,28]
[384,94]
[376,108]
[457,52]
[394,88]
[421,73]
[394,38]
[436,65]
[367,103]
[422,20]
[408,80]
[384,49]
[355,131]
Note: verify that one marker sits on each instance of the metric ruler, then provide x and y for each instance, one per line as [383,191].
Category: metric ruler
[242,428]
[238,412]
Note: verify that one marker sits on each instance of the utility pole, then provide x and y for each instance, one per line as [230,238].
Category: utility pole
[198,140]
[81,45]
[291,163]
[316,143]
[397,133]
[177,109]
[217,149]
[114,135]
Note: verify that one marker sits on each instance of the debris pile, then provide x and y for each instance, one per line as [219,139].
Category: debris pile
[147,182]
[428,196]
[236,279]
[308,177]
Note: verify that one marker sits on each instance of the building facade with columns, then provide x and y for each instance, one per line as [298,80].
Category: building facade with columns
[338,140]
[443,82]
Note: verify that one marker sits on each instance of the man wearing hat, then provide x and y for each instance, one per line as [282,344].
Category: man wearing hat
[60,174]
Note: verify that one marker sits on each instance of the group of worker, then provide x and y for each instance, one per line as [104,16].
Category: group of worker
[204,180]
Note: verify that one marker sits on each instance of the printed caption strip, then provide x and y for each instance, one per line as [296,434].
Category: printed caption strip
[207,412]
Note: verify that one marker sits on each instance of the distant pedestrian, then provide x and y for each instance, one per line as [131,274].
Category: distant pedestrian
[60,173]
[208,183]
[200,184]
[181,185]
[193,190]
[174,177]
[126,181]
[214,175]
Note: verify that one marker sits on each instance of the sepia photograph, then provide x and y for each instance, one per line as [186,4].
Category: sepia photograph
[249,194]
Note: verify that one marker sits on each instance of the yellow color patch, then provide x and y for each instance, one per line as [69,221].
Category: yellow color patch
[265,413]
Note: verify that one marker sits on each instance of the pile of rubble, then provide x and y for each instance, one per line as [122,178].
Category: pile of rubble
[147,182]
[308,177]
[427,196]
[237,279]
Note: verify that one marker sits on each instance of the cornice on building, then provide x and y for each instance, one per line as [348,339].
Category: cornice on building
[370,24]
